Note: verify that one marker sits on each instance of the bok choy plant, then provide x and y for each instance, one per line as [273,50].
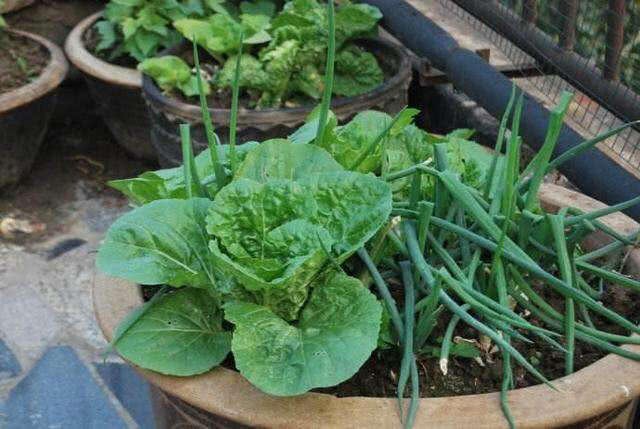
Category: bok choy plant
[291,253]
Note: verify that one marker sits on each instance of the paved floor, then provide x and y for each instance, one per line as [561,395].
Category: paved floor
[53,372]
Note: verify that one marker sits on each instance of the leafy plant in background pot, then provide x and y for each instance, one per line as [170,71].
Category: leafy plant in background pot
[283,53]
[138,29]
[255,246]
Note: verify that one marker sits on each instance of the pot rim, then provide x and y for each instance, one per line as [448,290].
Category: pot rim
[596,389]
[94,66]
[50,78]
[341,106]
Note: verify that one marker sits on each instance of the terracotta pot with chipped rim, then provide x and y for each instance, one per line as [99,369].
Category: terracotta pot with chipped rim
[25,113]
[116,90]
[602,395]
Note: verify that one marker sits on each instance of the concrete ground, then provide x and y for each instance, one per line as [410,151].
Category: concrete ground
[50,227]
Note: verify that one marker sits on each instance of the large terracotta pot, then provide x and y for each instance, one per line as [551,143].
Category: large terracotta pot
[599,395]
[117,91]
[25,113]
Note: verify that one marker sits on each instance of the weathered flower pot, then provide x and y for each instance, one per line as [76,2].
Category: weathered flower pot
[13,5]
[598,396]
[168,113]
[116,91]
[25,113]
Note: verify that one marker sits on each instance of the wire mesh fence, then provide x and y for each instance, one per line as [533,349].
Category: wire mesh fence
[605,35]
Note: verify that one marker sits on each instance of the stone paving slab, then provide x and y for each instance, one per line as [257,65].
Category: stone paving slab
[9,365]
[131,390]
[60,392]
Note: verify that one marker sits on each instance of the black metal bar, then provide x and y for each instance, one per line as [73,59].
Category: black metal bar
[594,172]
[530,11]
[616,97]
[615,39]
[568,16]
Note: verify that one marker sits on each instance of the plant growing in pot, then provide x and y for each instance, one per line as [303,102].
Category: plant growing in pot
[319,260]
[32,69]
[283,55]
[107,47]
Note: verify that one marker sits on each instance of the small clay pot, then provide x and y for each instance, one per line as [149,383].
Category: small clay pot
[598,396]
[25,113]
[168,113]
[116,91]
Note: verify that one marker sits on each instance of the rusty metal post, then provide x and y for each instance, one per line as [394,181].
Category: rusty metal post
[568,16]
[530,11]
[615,39]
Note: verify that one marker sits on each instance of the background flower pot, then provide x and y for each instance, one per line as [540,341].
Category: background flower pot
[168,113]
[599,395]
[117,92]
[11,5]
[25,113]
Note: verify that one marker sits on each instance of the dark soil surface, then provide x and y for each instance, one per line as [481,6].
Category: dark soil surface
[78,157]
[378,377]
[21,61]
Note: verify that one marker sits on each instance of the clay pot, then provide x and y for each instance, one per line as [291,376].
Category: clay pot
[600,395]
[25,113]
[116,91]
[12,5]
[168,113]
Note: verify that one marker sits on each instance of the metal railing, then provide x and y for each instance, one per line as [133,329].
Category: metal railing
[591,47]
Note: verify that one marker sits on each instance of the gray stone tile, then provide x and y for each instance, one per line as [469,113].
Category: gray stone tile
[60,392]
[9,365]
[26,321]
[131,390]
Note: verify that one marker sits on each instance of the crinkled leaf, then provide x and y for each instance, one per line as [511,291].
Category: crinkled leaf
[282,159]
[180,334]
[171,72]
[169,183]
[163,242]
[279,66]
[355,20]
[219,34]
[352,139]
[345,207]
[337,331]
[252,74]
[357,72]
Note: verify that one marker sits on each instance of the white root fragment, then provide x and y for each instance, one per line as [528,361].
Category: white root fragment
[444,366]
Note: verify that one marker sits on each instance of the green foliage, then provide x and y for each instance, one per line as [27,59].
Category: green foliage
[179,334]
[173,72]
[163,242]
[2,21]
[336,333]
[284,53]
[357,72]
[140,28]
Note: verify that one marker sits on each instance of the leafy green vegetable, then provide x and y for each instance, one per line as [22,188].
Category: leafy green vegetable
[357,72]
[171,72]
[140,28]
[169,183]
[274,236]
[163,242]
[285,52]
[281,159]
[337,331]
[218,34]
[180,334]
